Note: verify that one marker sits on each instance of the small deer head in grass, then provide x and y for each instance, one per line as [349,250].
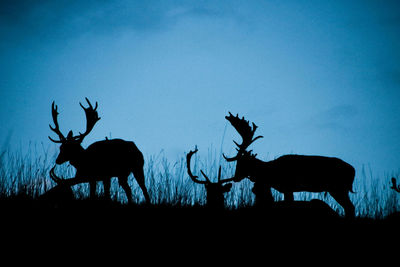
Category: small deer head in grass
[61,193]
[215,191]
[395,187]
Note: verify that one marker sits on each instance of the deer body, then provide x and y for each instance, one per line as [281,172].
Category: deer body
[57,195]
[101,161]
[290,173]
[294,173]
[107,158]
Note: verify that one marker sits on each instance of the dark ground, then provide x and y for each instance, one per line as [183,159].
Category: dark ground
[33,217]
[103,232]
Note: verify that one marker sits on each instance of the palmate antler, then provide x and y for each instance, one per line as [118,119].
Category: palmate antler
[246,131]
[92,118]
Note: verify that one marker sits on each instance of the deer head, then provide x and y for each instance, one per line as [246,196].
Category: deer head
[395,187]
[215,191]
[243,157]
[71,145]
[61,193]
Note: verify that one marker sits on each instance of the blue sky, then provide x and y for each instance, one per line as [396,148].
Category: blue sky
[317,77]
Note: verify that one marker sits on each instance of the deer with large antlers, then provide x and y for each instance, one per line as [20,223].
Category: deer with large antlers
[215,191]
[291,173]
[101,160]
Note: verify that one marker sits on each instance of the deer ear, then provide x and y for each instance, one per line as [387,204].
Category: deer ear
[70,135]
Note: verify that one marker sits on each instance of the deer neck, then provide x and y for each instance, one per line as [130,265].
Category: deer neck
[78,159]
[258,169]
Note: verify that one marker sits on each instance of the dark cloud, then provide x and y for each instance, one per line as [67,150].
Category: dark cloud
[46,20]
[55,19]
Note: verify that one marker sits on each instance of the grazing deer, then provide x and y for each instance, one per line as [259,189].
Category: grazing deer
[58,194]
[101,160]
[291,173]
[395,187]
[215,191]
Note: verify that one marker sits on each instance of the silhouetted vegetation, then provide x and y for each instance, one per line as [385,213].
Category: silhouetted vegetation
[172,195]
[25,181]
[178,213]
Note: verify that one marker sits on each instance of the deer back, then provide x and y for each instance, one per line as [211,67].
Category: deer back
[308,173]
[113,157]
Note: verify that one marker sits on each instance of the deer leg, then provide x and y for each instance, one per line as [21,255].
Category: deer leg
[92,189]
[123,182]
[344,200]
[263,195]
[107,185]
[139,176]
[288,196]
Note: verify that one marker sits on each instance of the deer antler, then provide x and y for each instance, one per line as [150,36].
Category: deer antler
[54,177]
[66,182]
[246,131]
[193,177]
[56,128]
[207,181]
[92,117]
[395,187]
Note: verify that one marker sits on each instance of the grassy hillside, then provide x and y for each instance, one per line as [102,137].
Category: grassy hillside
[26,176]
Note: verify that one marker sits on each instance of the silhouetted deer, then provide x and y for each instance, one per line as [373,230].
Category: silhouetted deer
[291,173]
[395,187]
[101,160]
[60,194]
[215,191]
